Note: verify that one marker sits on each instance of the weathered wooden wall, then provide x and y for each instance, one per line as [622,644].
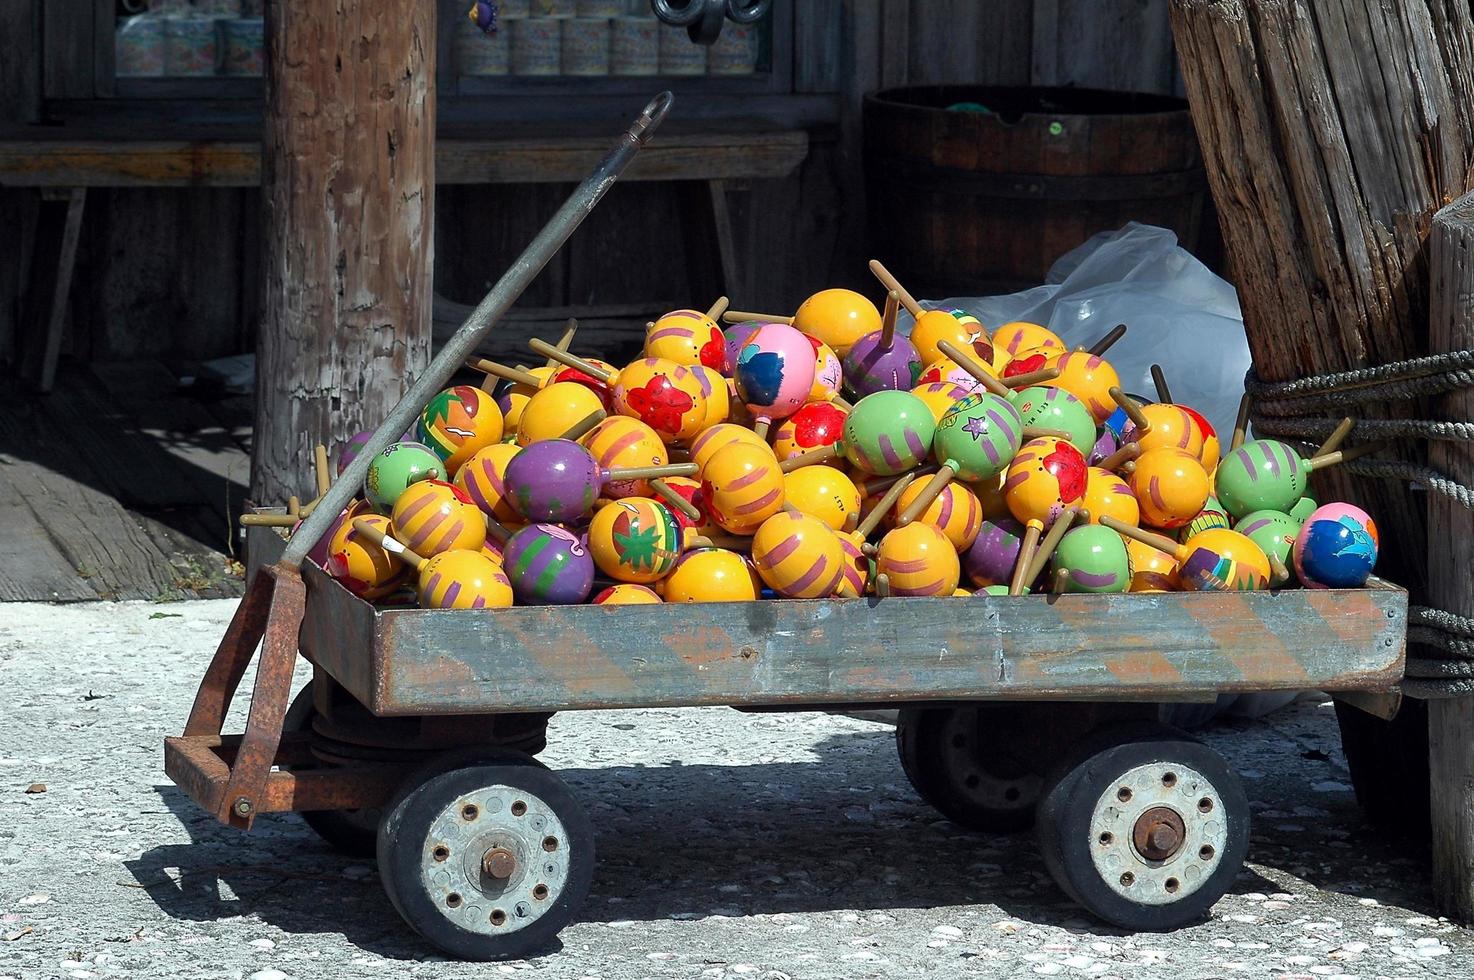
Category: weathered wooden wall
[176,273]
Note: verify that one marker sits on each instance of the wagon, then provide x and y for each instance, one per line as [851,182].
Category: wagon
[417,739]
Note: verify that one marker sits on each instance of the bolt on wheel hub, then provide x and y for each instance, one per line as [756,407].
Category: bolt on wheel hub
[1158,833]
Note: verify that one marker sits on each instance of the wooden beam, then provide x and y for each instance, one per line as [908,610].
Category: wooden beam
[349,188]
[1451,567]
[118,163]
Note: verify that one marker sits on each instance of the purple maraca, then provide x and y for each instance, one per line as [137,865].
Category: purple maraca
[882,361]
[990,559]
[1105,445]
[556,481]
[736,337]
[350,450]
[548,565]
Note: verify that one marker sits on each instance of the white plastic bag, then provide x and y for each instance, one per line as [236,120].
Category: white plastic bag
[1178,314]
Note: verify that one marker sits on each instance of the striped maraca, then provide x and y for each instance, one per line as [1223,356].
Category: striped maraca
[621,442]
[918,560]
[451,579]
[482,478]
[432,517]
[883,360]
[689,337]
[743,486]
[798,556]
[976,440]
[954,511]
[548,565]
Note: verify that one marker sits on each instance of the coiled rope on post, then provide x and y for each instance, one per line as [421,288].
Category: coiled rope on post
[1289,410]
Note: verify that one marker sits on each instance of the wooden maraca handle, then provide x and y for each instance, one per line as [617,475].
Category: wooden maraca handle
[972,367]
[1121,456]
[584,425]
[321,470]
[1278,573]
[1334,440]
[1044,432]
[1161,542]
[872,520]
[666,493]
[389,544]
[820,455]
[1019,381]
[1345,455]
[496,370]
[880,484]
[565,341]
[563,357]
[930,492]
[889,282]
[267,520]
[1159,381]
[647,472]
[1241,424]
[1109,340]
[1051,541]
[1132,410]
[738,316]
[715,309]
[1060,582]
[888,320]
[882,586]
[1025,558]
[728,541]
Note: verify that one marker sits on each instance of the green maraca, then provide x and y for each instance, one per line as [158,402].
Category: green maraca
[1303,508]
[976,439]
[1092,558]
[1270,475]
[1273,531]
[394,469]
[1056,408]
[888,432]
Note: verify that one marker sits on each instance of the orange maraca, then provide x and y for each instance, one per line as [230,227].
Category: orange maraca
[451,579]
[933,326]
[689,337]
[711,575]
[432,517]
[627,595]
[918,560]
[798,556]
[1170,485]
[1046,476]
[552,411]
[1219,560]
[823,492]
[955,512]
[620,442]
[661,393]
[1151,570]
[743,487]
[357,559]
[482,478]
[815,425]
[837,317]
[1107,495]
[1012,338]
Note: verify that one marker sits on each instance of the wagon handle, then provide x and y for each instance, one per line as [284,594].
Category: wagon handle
[485,316]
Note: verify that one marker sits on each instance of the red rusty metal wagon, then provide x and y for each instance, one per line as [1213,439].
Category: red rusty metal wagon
[417,737]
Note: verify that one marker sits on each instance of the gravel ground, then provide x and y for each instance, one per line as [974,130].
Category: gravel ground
[730,845]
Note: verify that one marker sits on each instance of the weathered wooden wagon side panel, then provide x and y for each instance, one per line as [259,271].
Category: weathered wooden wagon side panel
[1169,646]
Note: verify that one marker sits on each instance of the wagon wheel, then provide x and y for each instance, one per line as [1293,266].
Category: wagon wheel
[486,854]
[1144,827]
[350,831]
[965,762]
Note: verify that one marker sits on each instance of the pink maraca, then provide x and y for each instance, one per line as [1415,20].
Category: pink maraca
[775,372]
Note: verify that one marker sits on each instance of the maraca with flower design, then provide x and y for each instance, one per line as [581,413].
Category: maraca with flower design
[1046,476]
[1214,561]
[556,481]
[774,373]
[449,580]
[815,425]
[661,393]
[689,337]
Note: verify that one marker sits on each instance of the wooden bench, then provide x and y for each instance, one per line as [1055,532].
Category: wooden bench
[63,167]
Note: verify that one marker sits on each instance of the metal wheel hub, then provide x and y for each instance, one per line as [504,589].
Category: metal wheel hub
[982,775]
[495,860]
[1158,833]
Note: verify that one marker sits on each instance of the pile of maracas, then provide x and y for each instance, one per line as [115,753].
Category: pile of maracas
[828,454]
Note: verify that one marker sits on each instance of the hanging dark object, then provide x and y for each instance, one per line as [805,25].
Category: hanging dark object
[702,19]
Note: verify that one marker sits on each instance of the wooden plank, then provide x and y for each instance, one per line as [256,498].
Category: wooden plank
[895,42]
[31,568]
[104,47]
[20,67]
[68,56]
[1118,647]
[1080,43]
[1451,565]
[817,43]
[31,163]
[961,42]
[66,264]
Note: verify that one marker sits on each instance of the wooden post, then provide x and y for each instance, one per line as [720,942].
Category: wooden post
[1330,138]
[349,187]
[1451,567]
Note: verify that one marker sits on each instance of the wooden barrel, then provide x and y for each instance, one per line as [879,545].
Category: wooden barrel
[970,202]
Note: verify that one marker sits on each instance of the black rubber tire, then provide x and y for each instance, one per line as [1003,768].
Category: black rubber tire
[353,832]
[403,837]
[1066,809]
[1389,766]
[958,759]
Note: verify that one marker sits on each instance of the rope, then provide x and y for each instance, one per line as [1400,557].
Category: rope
[1444,667]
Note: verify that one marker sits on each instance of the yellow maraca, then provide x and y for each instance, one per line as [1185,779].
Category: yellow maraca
[798,556]
[823,492]
[481,478]
[620,442]
[1171,487]
[837,317]
[711,575]
[955,512]
[918,560]
[743,486]
[525,383]
[357,560]
[689,337]
[719,437]
[1046,476]
[635,539]
[627,595]
[1151,570]
[933,326]
[432,517]
[1219,560]
[940,396]
[1011,338]
[663,394]
[451,579]
[1107,495]
[552,411]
